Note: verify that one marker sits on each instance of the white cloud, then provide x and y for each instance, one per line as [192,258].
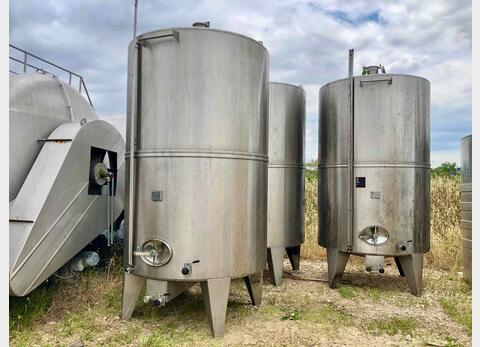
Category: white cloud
[439,157]
[308,43]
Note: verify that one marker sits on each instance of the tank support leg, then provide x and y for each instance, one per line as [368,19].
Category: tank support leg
[336,265]
[132,286]
[275,264]
[215,296]
[254,285]
[412,266]
[294,256]
[399,266]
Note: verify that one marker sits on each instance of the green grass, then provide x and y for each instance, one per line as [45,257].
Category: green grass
[452,342]
[24,310]
[374,294]
[392,326]
[123,339]
[156,340]
[75,324]
[295,315]
[460,313]
[328,314]
[172,332]
[347,292]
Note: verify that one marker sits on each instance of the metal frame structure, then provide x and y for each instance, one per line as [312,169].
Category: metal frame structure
[26,64]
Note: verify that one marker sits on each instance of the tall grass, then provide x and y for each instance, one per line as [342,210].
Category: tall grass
[445,235]
[445,242]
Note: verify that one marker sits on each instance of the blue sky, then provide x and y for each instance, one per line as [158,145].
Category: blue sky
[308,43]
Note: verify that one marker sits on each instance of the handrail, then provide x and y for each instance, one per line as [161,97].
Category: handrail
[25,63]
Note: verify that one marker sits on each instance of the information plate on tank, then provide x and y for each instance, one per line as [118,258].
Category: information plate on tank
[360,182]
[157,195]
[374,195]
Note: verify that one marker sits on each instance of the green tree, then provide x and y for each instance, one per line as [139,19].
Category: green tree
[446,169]
[311,170]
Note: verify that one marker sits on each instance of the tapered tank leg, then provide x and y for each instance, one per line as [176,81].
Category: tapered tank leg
[132,286]
[412,266]
[254,285]
[336,265]
[294,256]
[215,296]
[275,264]
[399,266]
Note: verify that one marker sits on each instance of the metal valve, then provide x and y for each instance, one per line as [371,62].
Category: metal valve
[157,301]
[403,246]
[187,267]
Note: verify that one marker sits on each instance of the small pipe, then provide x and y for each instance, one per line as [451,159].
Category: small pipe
[131,187]
[108,214]
[24,62]
[350,221]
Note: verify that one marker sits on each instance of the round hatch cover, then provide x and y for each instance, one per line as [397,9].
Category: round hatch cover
[374,235]
[156,252]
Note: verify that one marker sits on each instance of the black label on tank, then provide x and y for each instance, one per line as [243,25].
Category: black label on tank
[360,182]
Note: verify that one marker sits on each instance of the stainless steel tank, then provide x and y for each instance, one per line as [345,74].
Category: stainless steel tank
[466,205]
[58,203]
[197,184]
[38,105]
[286,144]
[390,179]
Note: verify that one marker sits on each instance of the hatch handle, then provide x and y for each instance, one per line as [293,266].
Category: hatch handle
[174,34]
[389,80]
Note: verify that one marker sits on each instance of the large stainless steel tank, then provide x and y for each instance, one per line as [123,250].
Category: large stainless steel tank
[38,105]
[58,201]
[391,173]
[466,205]
[286,143]
[197,199]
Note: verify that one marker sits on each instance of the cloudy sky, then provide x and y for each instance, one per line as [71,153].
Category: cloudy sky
[308,43]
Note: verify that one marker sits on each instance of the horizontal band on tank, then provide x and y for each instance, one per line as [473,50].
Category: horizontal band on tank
[286,165]
[368,165]
[198,154]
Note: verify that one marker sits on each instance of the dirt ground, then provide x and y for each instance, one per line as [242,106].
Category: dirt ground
[366,310]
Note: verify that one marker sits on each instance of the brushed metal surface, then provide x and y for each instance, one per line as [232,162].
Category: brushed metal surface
[466,205]
[38,105]
[53,217]
[201,127]
[392,152]
[286,146]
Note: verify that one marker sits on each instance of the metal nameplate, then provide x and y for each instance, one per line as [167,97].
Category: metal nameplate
[360,182]
[157,195]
